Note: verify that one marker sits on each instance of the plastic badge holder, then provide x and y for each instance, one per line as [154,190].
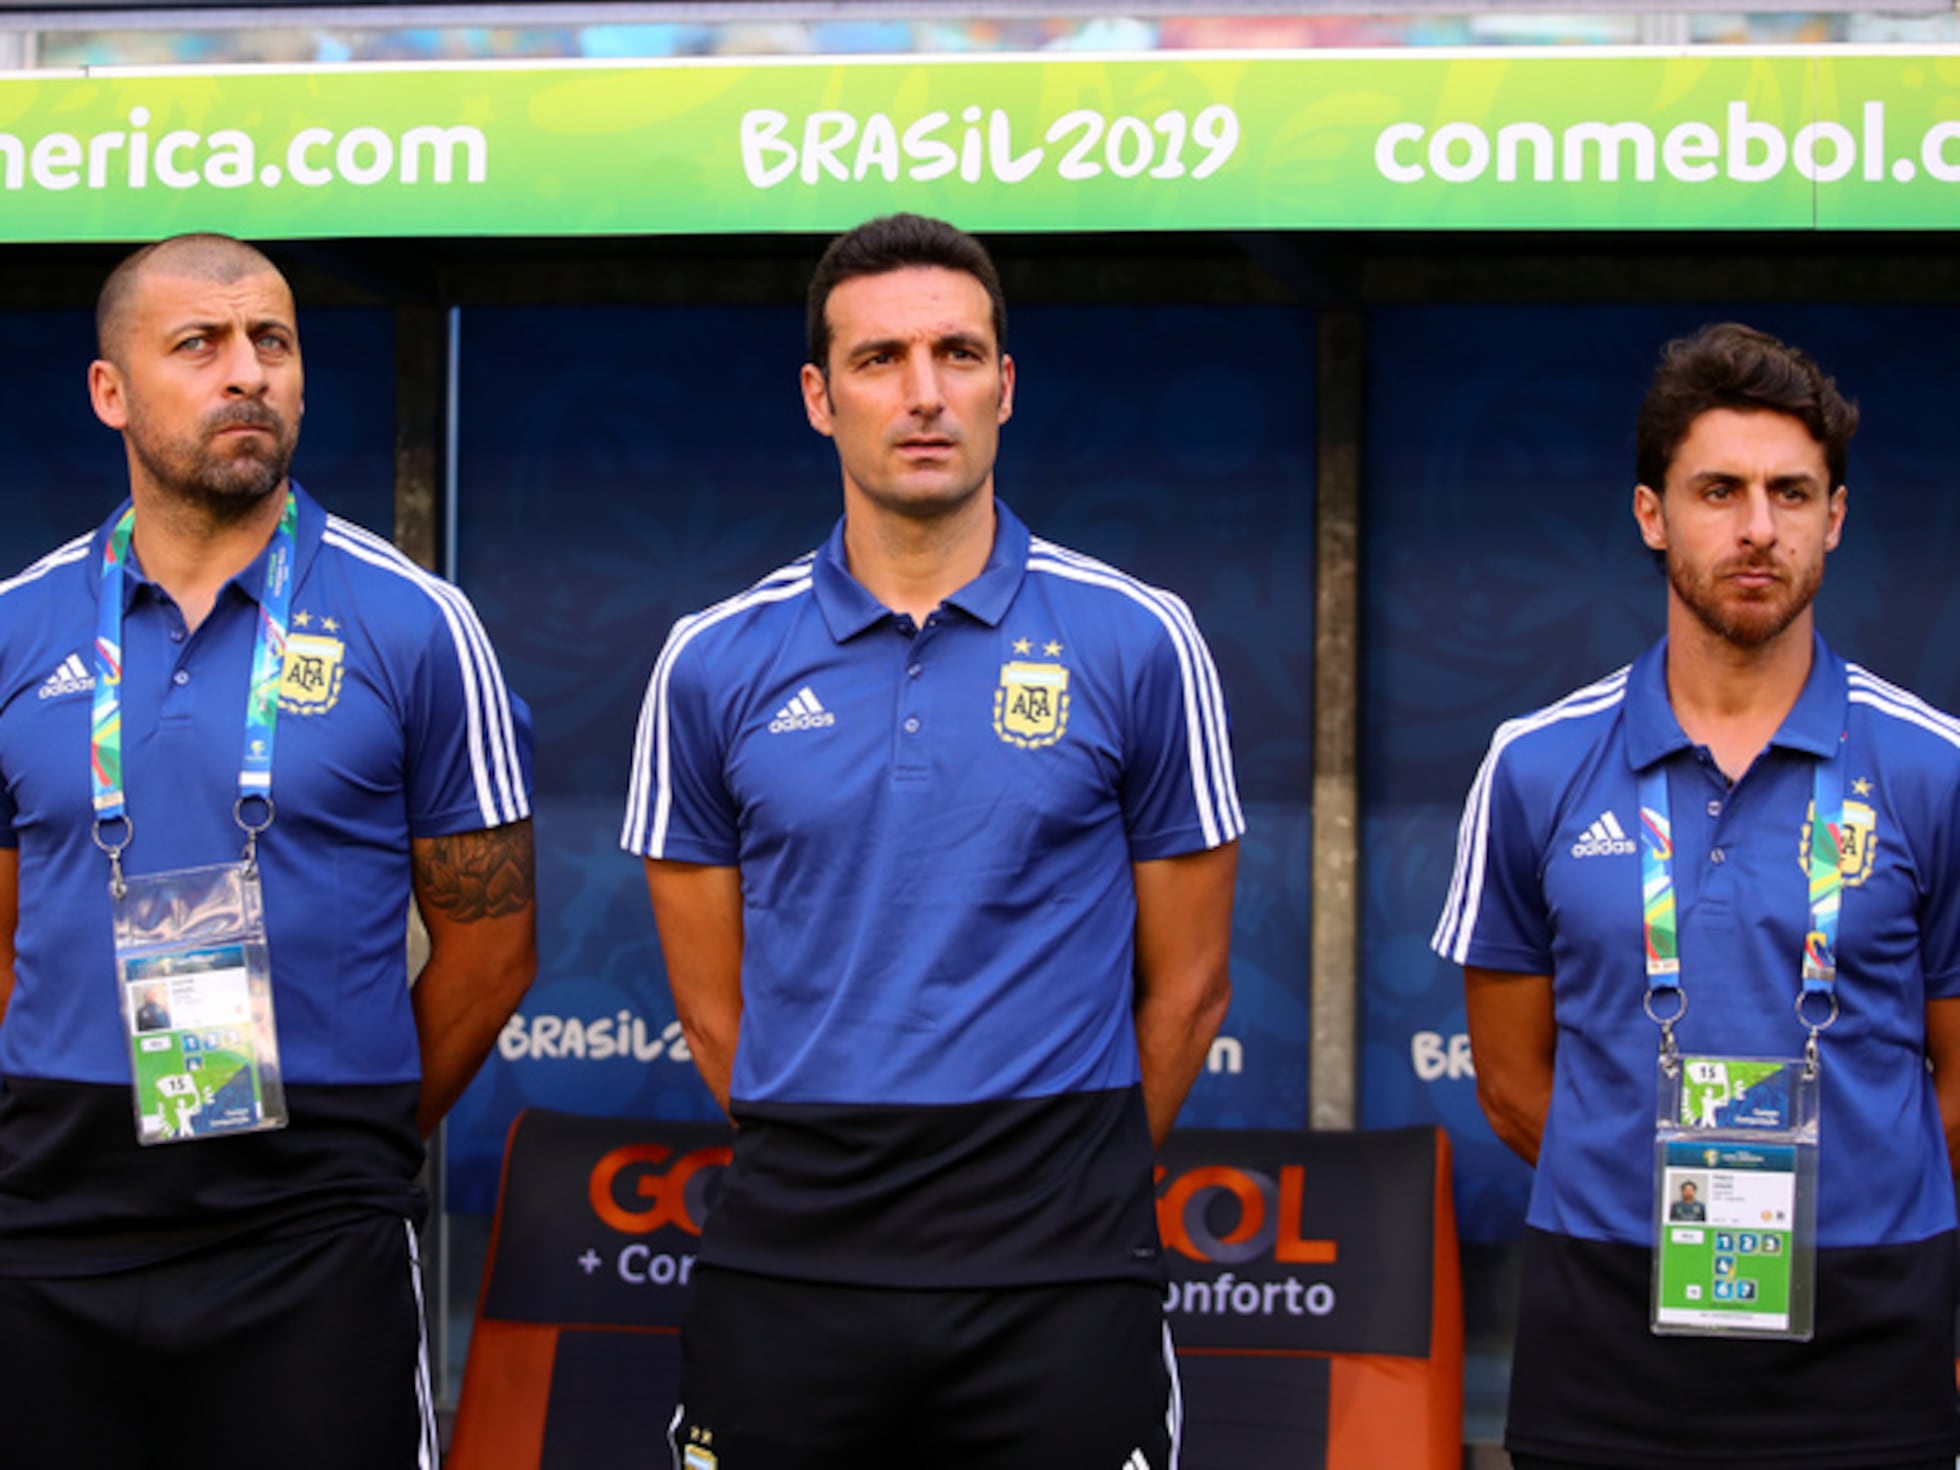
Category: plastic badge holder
[194,975]
[1735,1190]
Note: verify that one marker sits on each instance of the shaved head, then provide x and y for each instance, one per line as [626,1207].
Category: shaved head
[217,258]
[200,372]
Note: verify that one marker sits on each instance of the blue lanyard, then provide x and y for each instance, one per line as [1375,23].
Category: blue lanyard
[261,695]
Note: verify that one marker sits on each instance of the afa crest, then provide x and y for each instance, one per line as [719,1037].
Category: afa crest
[310,681]
[1031,704]
[1857,841]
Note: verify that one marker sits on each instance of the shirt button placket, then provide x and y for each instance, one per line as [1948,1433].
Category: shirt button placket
[911,762]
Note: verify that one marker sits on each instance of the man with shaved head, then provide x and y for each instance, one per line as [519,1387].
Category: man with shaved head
[217,468]
[236,734]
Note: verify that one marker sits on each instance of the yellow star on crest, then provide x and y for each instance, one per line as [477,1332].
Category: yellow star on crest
[302,619]
[1861,787]
[1021,645]
[330,625]
[1051,648]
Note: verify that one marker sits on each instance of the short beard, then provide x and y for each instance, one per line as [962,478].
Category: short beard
[1752,625]
[222,491]
[927,510]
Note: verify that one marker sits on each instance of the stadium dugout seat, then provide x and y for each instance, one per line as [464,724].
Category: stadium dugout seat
[575,1352]
[1315,1297]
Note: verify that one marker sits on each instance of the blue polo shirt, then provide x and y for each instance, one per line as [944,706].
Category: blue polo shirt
[1548,882]
[935,827]
[394,724]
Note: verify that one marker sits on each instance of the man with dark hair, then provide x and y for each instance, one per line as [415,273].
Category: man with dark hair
[1732,366]
[940,830]
[1794,839]
[236,734]
[892,243]
[1688,1206]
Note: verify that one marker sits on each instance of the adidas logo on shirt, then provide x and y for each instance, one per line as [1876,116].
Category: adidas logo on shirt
[1136,1461]
[73,677]
[805,712]
[1604,838]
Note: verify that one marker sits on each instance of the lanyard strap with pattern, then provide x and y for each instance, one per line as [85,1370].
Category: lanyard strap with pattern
[1660,929]
[261,695]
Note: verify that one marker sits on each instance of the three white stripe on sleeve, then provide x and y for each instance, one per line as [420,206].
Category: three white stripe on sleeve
[489,729]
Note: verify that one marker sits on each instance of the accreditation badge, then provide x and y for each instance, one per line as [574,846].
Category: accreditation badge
[1735,1197]
[193,971]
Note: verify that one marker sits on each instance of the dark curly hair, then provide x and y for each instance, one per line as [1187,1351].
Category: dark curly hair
[1728,365]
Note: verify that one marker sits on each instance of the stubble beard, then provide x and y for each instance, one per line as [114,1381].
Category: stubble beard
[942,503]
[222,489]
[1745,622]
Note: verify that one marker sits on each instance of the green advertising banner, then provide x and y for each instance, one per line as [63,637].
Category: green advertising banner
[1642,140]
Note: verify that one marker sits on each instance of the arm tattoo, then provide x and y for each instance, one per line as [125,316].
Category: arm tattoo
[478,875]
